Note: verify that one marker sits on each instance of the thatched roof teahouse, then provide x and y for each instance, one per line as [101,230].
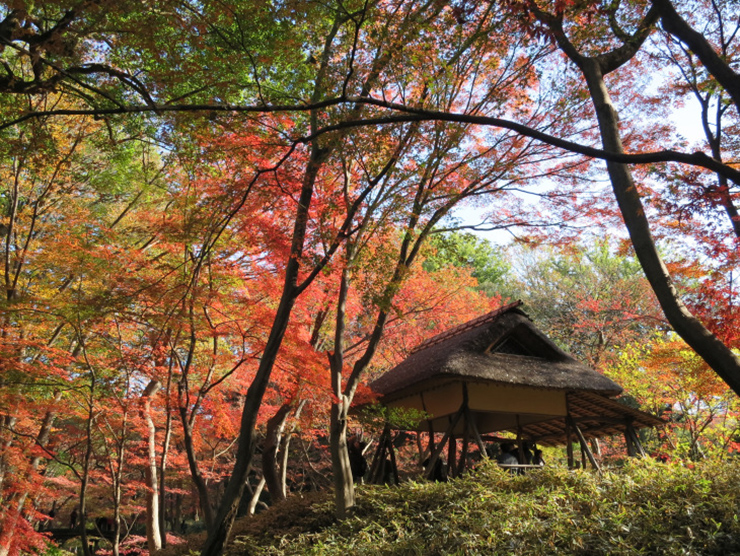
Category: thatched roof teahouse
[498,373]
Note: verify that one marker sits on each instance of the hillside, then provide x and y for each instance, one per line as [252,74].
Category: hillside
[644,508]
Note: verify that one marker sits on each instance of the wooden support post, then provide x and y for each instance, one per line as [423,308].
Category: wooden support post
[476,434]
[635,440]
[376,469]
[596,446]
[585,448]
[569,447]
[583,457]
[519,443]
[463,463]
[452,456]
[394,466]
[441,445]
[466,416]
[631,452]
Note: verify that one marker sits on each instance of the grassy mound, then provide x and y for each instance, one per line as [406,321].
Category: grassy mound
[644,508]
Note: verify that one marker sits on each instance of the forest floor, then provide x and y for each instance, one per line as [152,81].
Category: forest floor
[642,508]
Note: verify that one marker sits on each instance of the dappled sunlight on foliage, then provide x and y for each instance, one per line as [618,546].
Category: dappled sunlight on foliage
[645,507]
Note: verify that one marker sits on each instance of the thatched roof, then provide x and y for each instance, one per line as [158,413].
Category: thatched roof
[501,347]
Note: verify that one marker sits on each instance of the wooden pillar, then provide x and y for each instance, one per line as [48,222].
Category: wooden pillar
[583,457]
[631,452]
[476,433]
[584,446]
[519,441]
[441,445]
[452,456]
[394,466]
[463,463]
[595,446]
[469,429]
[569,445]
[632,433]
[568,435]
[420,448]
[376,469]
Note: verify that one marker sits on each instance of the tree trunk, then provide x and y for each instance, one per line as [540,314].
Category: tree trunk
[245,447]
[82,526]
[270,472]
[254,500]
[163,459]
[285,446]
[153,532]
[344,487]
[674,24]
[162,481]
[7,422]
[198,481]
[724,362]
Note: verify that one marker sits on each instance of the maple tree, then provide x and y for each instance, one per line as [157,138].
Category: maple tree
[587,298]
[665,377]
[177,274]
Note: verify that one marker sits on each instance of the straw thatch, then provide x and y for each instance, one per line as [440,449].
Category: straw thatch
[509,377]
[486,349]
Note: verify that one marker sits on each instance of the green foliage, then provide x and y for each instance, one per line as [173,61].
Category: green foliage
[644,508]
[587,298]
[377,415]
[465,250]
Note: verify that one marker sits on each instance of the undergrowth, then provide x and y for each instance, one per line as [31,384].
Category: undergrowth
[643,508]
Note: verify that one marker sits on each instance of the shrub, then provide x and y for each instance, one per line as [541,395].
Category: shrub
[643,508]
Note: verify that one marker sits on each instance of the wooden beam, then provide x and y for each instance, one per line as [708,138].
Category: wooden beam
[585,448]
[476,433]
[602,420]
[452,456]
[569,447]
[440,447]
[394,467]
[632,433]
[376,469]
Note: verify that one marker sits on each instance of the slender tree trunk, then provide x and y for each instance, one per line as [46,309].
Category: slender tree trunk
[153,532]
[254,500]
[86,479]
[197,477]
[117,480]
[270,472]
[285,446]
[344,487]
[162,481]
[8,422]
[245,447]
[724,362]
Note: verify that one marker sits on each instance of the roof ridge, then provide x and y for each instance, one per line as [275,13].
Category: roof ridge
[464,327]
